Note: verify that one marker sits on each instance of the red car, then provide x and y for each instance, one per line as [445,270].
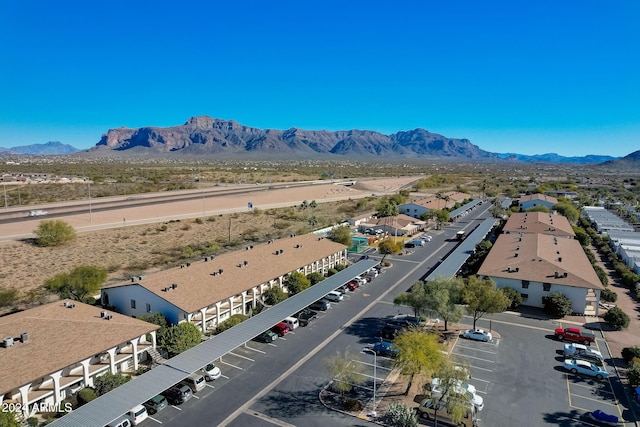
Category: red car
[353,285]
[281,329]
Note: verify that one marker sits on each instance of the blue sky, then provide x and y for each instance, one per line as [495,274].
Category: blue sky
[525,77]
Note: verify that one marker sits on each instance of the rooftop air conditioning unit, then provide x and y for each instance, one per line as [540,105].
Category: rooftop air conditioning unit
[109,317]
[103,313]
[24,337]
[7,342]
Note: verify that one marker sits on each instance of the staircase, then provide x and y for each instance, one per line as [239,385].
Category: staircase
[156,357]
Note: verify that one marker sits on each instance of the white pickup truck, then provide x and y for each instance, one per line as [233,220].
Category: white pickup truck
[38,212]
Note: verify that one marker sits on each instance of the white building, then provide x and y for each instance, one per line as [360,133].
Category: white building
[50,352]
[209,291]
[537,265]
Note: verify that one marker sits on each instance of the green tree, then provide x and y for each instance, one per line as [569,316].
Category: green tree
[442,294]
[274,295]
[346,370]
[398,415]
[515,298]
[418,352]
[538,208]
[82,283]
[482,297]
[155,318]
[442,216]
[449,376]
[9,419]
[616,318]
[54,233]
[582,236]
[297,282]
[8,297]
[108,381]
[416,298]
[177,338]
[557,304]
[315,277]
[568,210]
[388,247]
[341,234]
[607,295]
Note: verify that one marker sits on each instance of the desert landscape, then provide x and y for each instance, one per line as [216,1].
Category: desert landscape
[130,241]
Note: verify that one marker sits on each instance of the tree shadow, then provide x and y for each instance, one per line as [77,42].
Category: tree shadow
[367,329]
[573,418]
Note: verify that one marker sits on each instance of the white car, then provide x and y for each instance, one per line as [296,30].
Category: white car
[581,351]
[585,368]
[361,281]
[211,372]
[477,334]
[137,414]
[462,388]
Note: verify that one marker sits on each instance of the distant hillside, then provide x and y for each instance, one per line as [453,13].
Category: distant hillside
[556,158]
[49,149]
[629,162]
[229,139]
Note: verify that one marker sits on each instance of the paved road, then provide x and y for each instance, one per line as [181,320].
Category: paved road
[279,384]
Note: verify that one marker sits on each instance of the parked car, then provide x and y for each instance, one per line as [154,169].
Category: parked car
[403,319]
[321,304]
[585,368]
[385,349]
[156,404]
[334,296]
[360,280]
[343,289]
[281,329]
[414,243]
[389,331]
[211,372]
[195,382]
[178,394]
[291,322]
[123,421]
[306,316]
[427,407]
[137,414]
[266,337]
[462,388]
[353,285]
[580,351]
[477,334]
[576,335]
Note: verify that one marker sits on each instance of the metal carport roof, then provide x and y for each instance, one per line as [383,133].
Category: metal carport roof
[114,404]
[462,209]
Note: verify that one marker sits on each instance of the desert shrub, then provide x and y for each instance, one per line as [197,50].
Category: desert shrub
[8,297]
[198,221]
[398,415]
[557,304]
[602,275]
[633,374]
[352,405]
[32,422]
[54,233]
[608,295]
[628,353]
[616,318]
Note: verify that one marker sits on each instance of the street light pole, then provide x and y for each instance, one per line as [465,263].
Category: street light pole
[375,365]
[90,215]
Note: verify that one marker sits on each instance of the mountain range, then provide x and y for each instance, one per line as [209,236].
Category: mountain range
[230,140]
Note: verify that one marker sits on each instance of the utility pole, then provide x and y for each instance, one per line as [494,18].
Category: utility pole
[90,214]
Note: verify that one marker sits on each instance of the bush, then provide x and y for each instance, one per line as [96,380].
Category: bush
[616,318]
[274,296]
[514,296]
[557,304]
[608,295]
[86,395]
[633,374]
[628,353]
[232,321]
[54,233]
[32,422]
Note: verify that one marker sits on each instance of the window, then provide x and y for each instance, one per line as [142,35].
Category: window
[525,297]
[133,303]
[148,308]
[525,284]
[546,287]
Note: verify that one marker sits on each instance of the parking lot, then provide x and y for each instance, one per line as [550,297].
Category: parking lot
[523,382]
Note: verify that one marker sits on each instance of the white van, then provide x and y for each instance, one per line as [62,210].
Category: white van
[291,322]
[120,422]
[195,382]
[137,414]
[334,296]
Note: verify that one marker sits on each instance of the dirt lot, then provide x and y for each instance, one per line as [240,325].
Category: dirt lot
[176,230]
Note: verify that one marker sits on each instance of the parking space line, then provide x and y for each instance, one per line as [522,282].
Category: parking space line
[158,421]
[472,357]
[233,366]
[195,397]
[566,376]
[269,419]
[255,349]
[241,357]
[477,349]
[224,376]
[179,409]
[480,379]
[481,369]
[371,364]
